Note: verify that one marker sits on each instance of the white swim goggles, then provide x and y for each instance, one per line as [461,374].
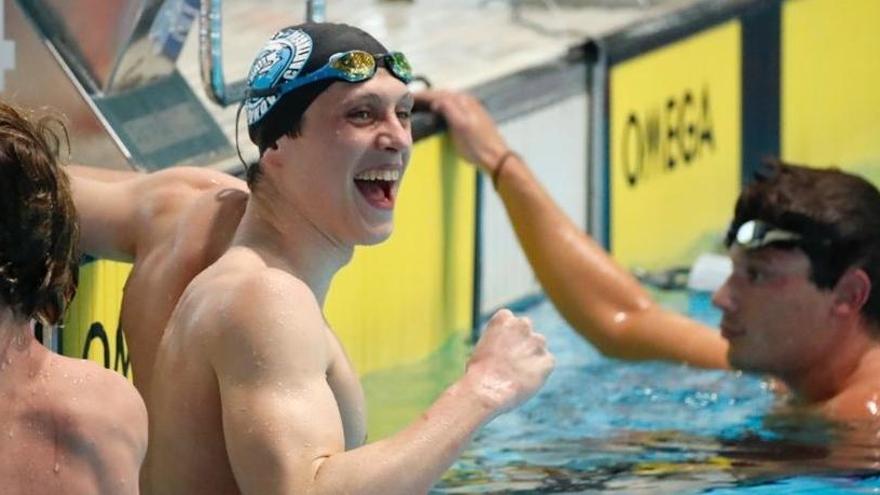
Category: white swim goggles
[755,234]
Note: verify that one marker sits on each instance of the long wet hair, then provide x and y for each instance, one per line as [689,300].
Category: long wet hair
[38,229]
[836,212]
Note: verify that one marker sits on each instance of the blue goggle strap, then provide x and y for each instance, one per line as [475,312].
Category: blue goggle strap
[327,72]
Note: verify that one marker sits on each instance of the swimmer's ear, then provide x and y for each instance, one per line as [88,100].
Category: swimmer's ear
[272,154]
[851,293]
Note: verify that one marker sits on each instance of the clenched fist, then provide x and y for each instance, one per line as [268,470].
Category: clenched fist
[509,363]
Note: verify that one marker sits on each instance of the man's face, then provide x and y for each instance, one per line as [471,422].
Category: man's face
[343,172]
[775,318]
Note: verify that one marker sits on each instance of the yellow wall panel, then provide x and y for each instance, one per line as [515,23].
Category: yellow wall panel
[92,325]
[460,207]
[675,147]
[831,84]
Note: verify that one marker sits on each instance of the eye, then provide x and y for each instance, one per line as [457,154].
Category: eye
[754,275]
[361,116]
[404,115]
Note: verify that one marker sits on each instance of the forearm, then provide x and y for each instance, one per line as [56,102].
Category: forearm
[600,299]
[590,289]
[413,460]
[104,224]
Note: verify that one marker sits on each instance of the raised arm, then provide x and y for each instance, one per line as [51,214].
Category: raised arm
[106,205]
[102,174]
[120,210]
[281,422]
[595,295]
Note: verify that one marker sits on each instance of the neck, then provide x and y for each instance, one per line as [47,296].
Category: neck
[288,240]
[16,337]
[853,361]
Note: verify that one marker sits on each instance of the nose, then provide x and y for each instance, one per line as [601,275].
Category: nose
[395,135]
[723,297]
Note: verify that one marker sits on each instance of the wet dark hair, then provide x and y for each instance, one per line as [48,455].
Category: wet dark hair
[286,120]
[38,228]
[837,213]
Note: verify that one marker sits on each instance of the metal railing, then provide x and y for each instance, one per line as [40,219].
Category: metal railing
[211,50]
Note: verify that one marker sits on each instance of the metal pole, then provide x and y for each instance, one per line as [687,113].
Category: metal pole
[211,56]
[316,10]
[211,50]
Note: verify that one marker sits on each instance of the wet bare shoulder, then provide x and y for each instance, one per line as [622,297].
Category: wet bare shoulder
[100,422]
[270,314]
[102,396]
[197,178]
[173,188]
[860,402]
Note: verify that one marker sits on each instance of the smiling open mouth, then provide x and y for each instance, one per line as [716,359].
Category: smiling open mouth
[378,186]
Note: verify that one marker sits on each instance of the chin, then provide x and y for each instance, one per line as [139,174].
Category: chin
[377,235]
[739,360]
[744,361]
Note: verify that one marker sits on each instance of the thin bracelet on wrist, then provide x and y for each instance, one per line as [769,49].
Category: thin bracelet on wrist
[496,172]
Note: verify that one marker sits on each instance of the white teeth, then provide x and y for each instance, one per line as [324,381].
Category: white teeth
[385,175]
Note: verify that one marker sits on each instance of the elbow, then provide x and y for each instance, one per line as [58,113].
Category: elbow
[614,332]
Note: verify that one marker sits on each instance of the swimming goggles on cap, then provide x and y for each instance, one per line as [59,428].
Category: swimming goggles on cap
[351,66]
[756,234]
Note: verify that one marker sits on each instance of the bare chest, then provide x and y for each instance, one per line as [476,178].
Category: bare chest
[349,396]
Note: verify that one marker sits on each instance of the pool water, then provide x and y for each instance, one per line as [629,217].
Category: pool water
[602,425]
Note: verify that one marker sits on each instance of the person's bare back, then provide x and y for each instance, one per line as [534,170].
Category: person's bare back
[68,426]
[171,225]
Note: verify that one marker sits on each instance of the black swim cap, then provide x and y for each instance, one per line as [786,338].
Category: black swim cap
[293,52]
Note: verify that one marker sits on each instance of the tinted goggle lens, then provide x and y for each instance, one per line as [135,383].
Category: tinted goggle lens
[357,65]
[354,65]
[399,65]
